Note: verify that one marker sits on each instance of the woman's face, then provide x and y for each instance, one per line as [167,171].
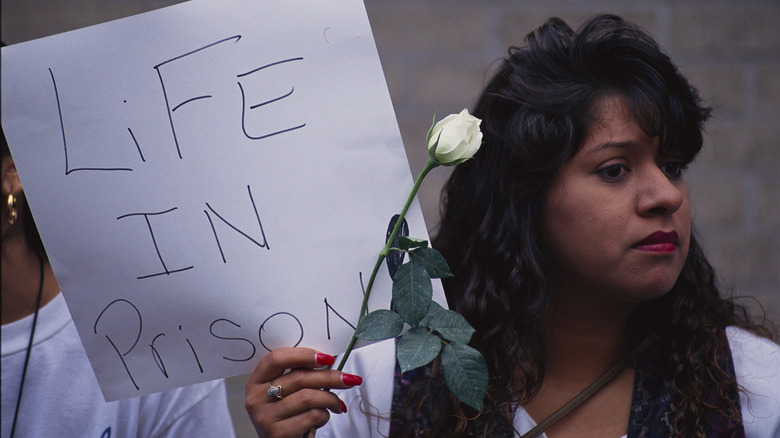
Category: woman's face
[617,218]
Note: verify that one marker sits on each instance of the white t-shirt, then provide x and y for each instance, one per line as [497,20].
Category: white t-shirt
[62,398]
[756,363]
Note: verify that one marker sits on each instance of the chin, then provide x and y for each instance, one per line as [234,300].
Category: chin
[652,295]
[657,284]
[648,292]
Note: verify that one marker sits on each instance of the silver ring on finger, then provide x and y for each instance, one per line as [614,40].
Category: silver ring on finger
[275,391]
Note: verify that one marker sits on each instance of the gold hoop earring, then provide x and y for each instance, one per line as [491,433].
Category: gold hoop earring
[12,214]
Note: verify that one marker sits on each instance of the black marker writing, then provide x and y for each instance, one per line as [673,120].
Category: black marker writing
[190,100]
[216,238]
[122,325]
[137,146]
[68,169]
[258,105]
[133,312]
[146,216]
[328,309]
[197,359]
[263,244]
[170,109]
[229,338]
[156,355]
[277,315]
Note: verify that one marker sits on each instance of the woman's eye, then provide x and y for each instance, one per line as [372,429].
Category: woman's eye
[613,171]
[673,168]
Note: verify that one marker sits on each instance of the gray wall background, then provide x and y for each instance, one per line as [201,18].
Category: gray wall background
[437,54]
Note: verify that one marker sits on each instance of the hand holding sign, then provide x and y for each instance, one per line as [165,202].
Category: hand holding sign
[207,190]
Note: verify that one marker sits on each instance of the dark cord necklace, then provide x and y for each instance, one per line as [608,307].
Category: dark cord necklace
[29,347]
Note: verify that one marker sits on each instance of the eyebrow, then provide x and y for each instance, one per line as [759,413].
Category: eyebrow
[611,144]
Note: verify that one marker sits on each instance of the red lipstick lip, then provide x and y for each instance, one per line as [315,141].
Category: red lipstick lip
[660,241]
[659,237]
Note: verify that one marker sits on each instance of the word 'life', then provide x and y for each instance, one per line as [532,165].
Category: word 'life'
[243,81]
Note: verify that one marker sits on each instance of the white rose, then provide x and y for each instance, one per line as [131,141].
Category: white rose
[454,139]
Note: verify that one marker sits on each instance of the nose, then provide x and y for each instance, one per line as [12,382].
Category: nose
[659,194]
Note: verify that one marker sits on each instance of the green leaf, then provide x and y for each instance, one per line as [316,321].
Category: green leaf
[465,373]
[433,310]
[432,147]
[405,242]
[379,324]
[416,348]
[448,323]
[412,292]
[433,261]
[430,130]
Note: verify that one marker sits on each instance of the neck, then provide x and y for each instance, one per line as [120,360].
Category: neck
[584,339]
[21,280]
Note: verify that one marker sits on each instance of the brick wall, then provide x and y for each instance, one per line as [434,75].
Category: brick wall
[436,55]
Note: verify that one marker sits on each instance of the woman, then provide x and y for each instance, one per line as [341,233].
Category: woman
[570,239]
[48,385]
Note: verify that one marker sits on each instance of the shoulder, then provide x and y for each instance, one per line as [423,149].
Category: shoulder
[755,358]
[196,410]
[375,358]
[757,367]
[61,364]
[368,405]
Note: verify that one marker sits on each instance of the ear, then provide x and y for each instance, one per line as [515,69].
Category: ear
[11,183]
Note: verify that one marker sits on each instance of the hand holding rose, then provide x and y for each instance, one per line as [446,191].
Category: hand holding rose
[292,404]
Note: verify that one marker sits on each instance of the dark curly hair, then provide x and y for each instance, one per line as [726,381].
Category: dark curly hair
[536,111]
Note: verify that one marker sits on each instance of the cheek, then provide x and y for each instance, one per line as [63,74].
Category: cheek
[579,227]
[683,219]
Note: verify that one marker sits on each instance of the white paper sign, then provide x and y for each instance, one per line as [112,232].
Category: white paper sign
[212,180]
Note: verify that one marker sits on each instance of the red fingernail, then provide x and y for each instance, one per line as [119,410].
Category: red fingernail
[351,379]
[343,407]
[324,359]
